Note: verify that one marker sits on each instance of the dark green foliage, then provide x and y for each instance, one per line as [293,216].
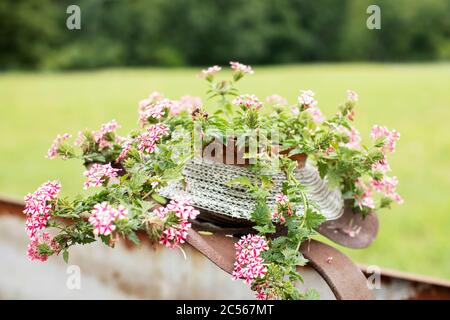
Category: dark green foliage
[33,33]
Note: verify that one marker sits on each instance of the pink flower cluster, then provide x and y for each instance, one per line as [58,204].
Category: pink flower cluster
[249,101]
[366,198]
[242,68]
[276,99]
[306,98]
[316,114]
[175,234]
[391,137]
[249,264]
[210,71]
[98,173]
[188,103]
[155,110]
[277,217]
[100,136]
[352,96]
[152,98]
[103,216]
[38,206]
[126,147]
[387,185]
[155,106]
[53,151]
[354,137]
[281,199]
[39,241]
[147,140]
[382,165]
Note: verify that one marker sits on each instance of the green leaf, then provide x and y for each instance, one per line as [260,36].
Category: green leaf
[66,256]
[205,233]
[158,198]
[133,238]
[313,219]
[245,181]
[265,229]
[300,260]
[261,215]
[311,294]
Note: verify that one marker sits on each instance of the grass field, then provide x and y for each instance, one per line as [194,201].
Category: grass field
[414,99]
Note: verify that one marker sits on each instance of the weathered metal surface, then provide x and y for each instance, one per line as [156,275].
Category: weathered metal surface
[344,278]
[127,272]
[395,285]
[144,272]
[138,272]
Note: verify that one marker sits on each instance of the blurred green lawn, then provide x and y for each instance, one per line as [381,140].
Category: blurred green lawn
[414,99]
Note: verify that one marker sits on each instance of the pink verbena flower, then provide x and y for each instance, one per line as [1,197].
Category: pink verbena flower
[80,139]
[329,151]
[147,140]
[281,199]
[101,136]
[387,185]
[366,197]
[277,217]
[155,184]
[41,247]
[98,173]
[391,137]
[354,137]
[103,216]
[210,71]
[352,96]
[306,98]
[261,295]
[276,99]
[351,115]
[249,264]
[38,206]
[152,98]
[175,233]
[186,103]
[381,165]
[248,101]
[316,114]
[53,151]
[126,147]
[241,68]
[155,110]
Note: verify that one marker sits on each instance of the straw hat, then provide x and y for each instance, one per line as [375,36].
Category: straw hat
[206,183]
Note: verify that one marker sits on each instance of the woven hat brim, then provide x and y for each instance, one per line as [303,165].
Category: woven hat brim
[207,185]
[352,230]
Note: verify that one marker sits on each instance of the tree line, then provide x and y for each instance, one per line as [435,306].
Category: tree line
[33,33]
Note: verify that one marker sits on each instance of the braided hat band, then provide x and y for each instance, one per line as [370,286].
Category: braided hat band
[207,187]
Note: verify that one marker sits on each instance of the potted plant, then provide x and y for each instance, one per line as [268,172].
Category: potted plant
[261,148]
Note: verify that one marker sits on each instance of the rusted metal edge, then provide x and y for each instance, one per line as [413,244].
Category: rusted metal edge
[395,285]
[9,204]
[407,276]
